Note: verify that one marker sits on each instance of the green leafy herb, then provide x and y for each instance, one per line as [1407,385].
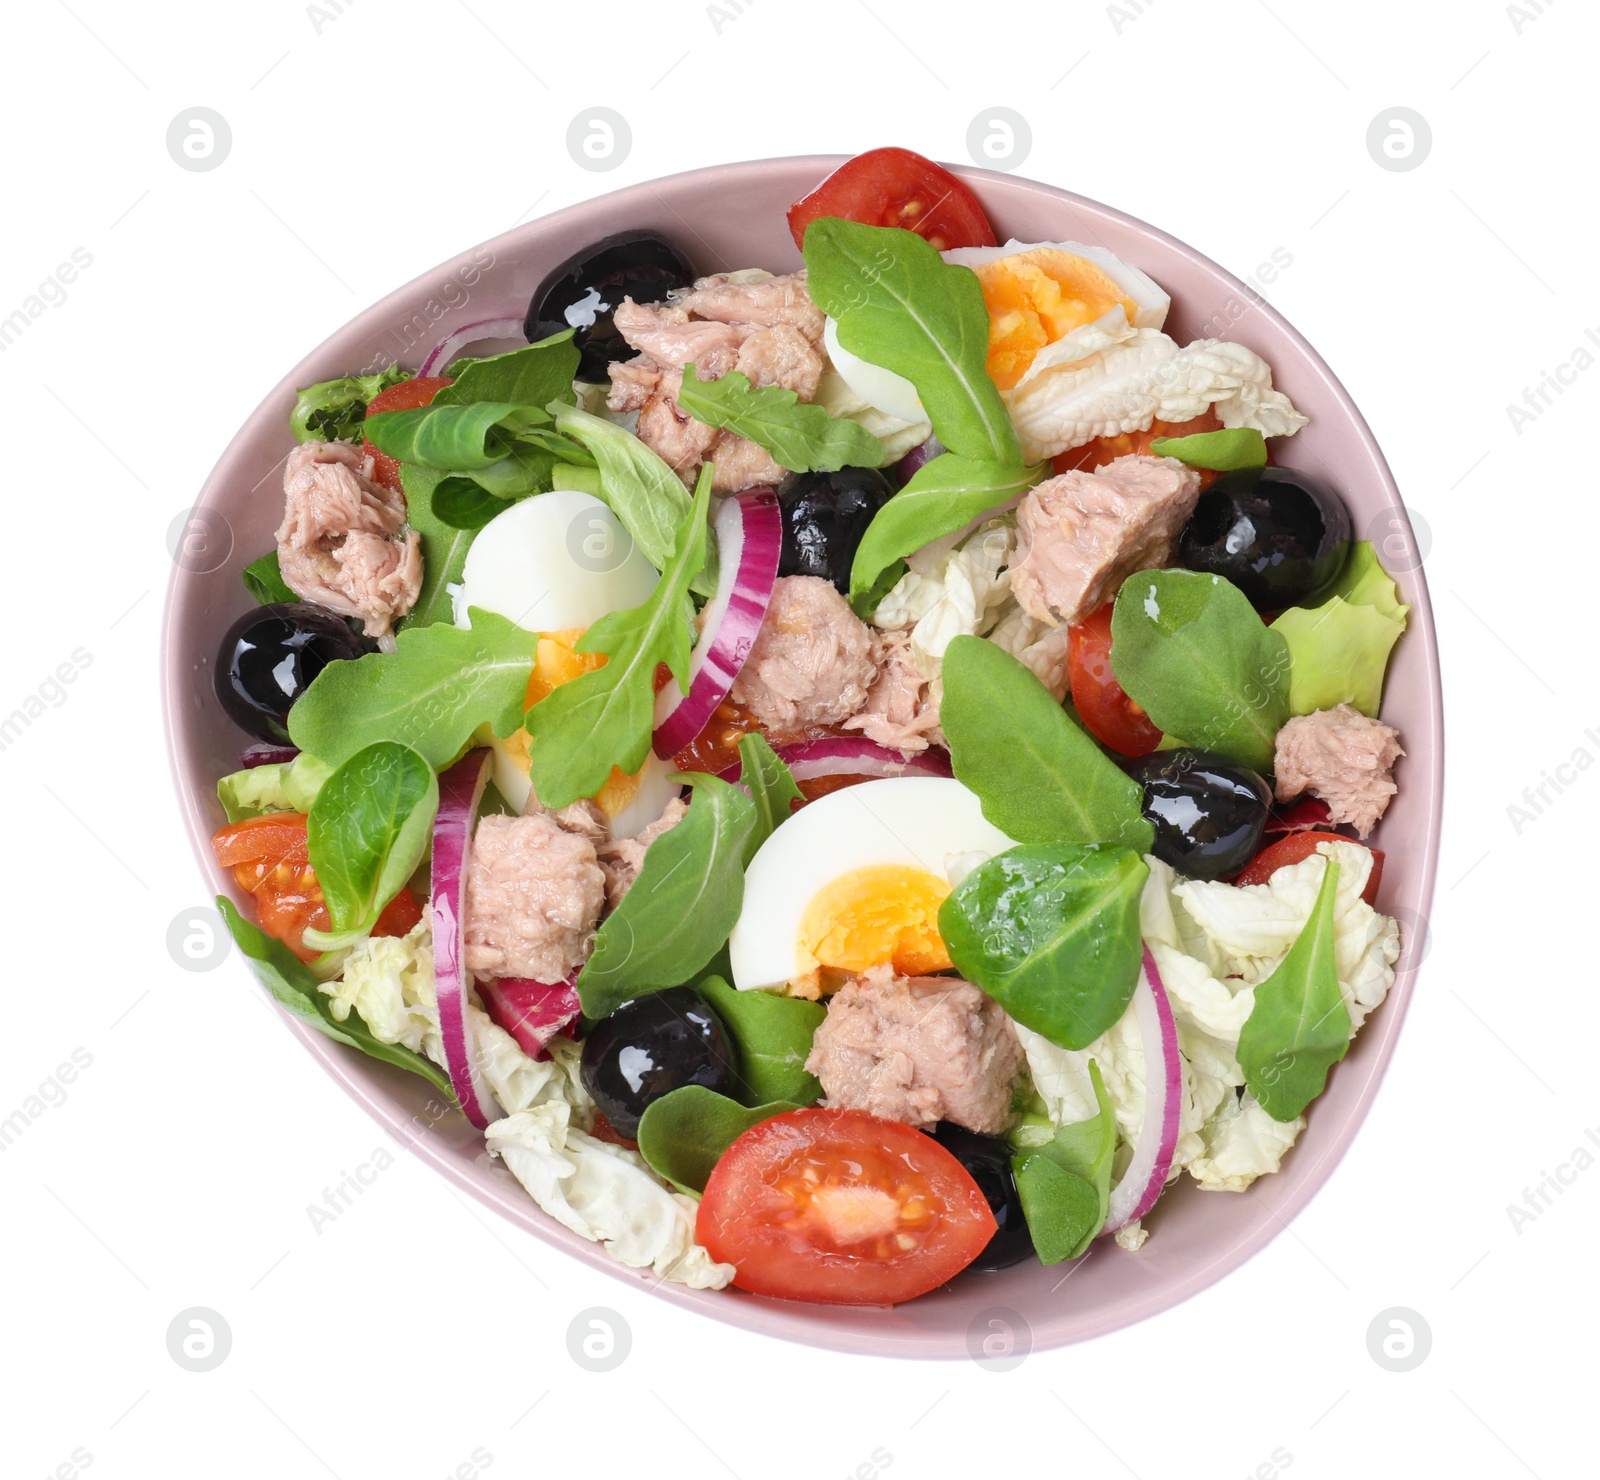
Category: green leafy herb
[642,491]
[288,786]
[367,831]
[1192,651]
[1039,777]
[293,985]
[684,1133]
[1299,1027]
[1339,651]
[444,548]
[440,684]
[1051,932]
[680,909]
[1062,1220]
[802,438]
[1224,451]
[535,376]
[333,410]
[455,438]
[460,503]
[771,788]
[264,581]
[900,305]
[604,718]
[944,495]
[773,1037]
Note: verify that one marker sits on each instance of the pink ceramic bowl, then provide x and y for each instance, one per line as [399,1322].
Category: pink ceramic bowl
[733,216]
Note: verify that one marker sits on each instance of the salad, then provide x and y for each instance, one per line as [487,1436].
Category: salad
[850,777]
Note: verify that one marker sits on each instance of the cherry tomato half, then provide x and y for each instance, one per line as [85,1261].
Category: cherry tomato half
[270,860]
[1105,709]
[407,396]
[1296,848]
[842,1208]
[894,187]
[1101,450]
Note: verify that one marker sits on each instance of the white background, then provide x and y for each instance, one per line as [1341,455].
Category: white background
[372,144]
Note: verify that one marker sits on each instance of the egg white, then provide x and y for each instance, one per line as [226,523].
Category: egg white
[927,822]
[551,563]
[879,388]
[1151,300]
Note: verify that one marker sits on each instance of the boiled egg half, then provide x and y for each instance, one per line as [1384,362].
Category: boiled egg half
[855,879]
[1036,295]
[554,564]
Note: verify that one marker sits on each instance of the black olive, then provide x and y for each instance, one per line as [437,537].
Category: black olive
[1207,812]
[651,1045]
[824,517]
[641,265]
[1275,533]
[269,657]
[988,1162]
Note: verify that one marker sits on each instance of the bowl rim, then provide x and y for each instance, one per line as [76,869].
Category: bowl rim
[804,1323]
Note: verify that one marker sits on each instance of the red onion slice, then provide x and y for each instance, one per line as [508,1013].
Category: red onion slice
[531,1012]
[460,791]
[915,460]
[1146,1176]
[266,755]
[849,756]
[749,530]
[505,326]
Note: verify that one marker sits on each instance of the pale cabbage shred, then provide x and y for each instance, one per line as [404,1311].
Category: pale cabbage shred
[600,1191]
[1213,944]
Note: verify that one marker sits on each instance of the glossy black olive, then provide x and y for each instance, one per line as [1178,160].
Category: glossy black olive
[651,1045]
[988,1161]
[641,265]
[269,657]
[1275,533]
[1207,812]
[824,517]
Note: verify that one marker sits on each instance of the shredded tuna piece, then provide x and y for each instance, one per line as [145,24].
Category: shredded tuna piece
[918,1050]
[1079,535]
[901,712]
[812,662]
[778,344]
[1342,756]
[534,892]
[341,543]
[621,860]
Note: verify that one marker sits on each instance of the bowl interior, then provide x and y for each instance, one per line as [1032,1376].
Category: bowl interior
[733,216]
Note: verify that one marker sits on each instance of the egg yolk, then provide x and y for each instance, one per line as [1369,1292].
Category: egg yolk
[557,661]
[1034,299]
[884,914]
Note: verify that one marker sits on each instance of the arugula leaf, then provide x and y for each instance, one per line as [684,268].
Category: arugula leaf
[682,907]
[1192,651]
[1339,651]
[1299,1027]
[900,305]
[1051,932]
[535,376]
[1061,1219]
[1039,777]
[366,833]
[771,788]
[683,1134]
[264,581]
[802,438]
[1224,451]
[294,987]
[431,693]
[604,718]
[944,495]
[334,410]
[773,1037]
[444,548]
[455,438]
[641,490]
